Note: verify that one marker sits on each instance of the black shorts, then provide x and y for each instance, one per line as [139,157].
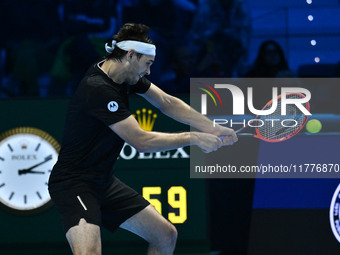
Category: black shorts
[108,209]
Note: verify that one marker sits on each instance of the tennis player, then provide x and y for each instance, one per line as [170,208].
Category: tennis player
[82,185]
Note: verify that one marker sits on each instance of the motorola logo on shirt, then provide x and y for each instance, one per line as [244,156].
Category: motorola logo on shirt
[112,106]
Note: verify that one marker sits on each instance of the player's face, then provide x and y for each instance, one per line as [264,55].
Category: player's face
[139,68]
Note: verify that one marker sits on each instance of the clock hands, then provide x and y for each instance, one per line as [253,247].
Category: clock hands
[25,171]
[30,171]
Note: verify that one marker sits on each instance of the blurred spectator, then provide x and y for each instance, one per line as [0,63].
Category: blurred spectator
[270,62]
[221,56]
[59,39]
[212,47]
[209,19]
[182,63]
[31,35]
[223,28]
[169,21]
[240,30]
[87,25]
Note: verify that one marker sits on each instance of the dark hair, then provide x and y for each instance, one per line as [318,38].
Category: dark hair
[130,31]
[261,62]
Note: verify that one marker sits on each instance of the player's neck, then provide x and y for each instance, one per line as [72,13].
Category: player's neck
[114,70]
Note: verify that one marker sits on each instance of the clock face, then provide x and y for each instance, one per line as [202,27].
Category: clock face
[27,156]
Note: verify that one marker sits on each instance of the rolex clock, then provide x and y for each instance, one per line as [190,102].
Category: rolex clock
[27,156]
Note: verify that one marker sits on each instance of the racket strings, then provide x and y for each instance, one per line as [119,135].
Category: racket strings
[276,126]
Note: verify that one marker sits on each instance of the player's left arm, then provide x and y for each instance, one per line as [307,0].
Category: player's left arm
[182,112]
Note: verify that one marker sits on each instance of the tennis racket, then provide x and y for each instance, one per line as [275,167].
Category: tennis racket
[276,127]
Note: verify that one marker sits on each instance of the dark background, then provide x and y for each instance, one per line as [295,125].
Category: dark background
[47,45]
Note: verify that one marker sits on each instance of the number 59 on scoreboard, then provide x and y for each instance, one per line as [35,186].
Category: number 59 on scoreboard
[176,198]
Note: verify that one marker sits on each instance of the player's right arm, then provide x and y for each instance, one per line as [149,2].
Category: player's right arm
[144,141]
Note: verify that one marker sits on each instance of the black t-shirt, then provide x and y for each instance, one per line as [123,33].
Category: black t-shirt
[90,148]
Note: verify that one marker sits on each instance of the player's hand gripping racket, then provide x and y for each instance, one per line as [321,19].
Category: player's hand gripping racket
[276,127]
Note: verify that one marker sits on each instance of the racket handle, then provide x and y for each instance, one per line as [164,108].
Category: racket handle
[239,135]
[245,134]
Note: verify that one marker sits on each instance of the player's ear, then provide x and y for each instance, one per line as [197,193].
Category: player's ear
[130,54]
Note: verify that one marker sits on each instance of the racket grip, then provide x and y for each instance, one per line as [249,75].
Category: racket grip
[239,135]
[245,134]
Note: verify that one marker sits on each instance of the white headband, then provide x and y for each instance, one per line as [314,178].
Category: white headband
[140,47]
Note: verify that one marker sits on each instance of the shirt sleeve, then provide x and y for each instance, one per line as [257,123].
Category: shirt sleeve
[107,105]
[141,87]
